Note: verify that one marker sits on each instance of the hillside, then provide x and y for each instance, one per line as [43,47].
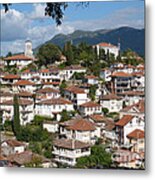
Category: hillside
[129,38]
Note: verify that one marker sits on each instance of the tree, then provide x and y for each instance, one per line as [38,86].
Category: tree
[48,54]
[68,52]
[62,87]
[92,92]
[65,116]
[9,54]
[99,158]
[105,111]
[16,119]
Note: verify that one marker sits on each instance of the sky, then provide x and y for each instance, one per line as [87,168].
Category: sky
[27,21]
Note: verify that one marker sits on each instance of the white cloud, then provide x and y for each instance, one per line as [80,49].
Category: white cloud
[38,11]
[14,25]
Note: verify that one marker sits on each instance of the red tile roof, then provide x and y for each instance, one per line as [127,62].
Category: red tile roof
[98,118]
[91,77]
[136,134]
[90,104]
[110,97]
[14,143]
[104,44]
[20,101]
[79,125]
[140,106]
[124,120]
[70,144]
[11,76]
[132,93]
[75,90]
[19,57]
[55,101]
[25,94]
[121,74]
[23,83]
[47,90]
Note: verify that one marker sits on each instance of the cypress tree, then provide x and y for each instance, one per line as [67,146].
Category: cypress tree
[16,119]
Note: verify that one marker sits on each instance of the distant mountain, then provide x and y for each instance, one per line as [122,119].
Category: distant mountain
[129,38]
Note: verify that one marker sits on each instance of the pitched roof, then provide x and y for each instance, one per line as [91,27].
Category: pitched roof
[124,120]
[47,90]
[23,82]
[18,57]
[14,143]
[140,106]
[136,134]
[79,125]
[110,97]
[70,144]
[11,76]
[55,101]
[121,74]
[20,101]
[98,118]
[91,77]
[75,90]
[104,44]
[90,104]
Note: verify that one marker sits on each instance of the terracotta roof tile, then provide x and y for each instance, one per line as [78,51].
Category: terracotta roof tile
[20,101]
[110,97]
[75,90]
[124,120]
[136,134]
[17,57]
[23,82]
[104,44]
[90,104]
[55,101]
[70,144]
[47,90]
[121,74]
[14,143]
[11,76]
[79,125]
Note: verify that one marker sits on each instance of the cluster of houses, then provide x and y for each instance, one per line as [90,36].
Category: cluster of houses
[39,93]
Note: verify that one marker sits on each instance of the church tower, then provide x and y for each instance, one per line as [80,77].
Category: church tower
[28,49]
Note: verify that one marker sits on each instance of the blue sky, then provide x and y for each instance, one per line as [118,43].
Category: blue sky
[27,21]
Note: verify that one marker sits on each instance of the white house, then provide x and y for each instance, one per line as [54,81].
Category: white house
[91,79]
[120,82]
[24,85]
[136,109]
[26,110]
[47,93]
[80,129]
[12,146]
[67,151]
[9,79]
[112,102]
[106,74]
[89,108]
[131,97]
[108,48]
[53,106]
[70,70]
[126,125]
[20,61]
[51,126]
[77,95]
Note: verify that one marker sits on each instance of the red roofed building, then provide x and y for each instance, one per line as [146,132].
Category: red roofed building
[67,151]
[89,108]
[80,129]
[53,107]
[10,79]
[77,95]
[137,139]
[108,48]
[126,125]
[24,85]
[19,60]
